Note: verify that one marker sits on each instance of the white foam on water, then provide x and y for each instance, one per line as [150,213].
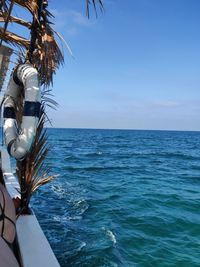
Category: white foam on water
[83,244]
[73,218]
[82,206]
[74,246]
[56,218]
[58,189]
[111,236]
[79,202]
[66,218]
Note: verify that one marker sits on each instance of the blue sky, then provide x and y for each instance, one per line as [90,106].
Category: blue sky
[136,66]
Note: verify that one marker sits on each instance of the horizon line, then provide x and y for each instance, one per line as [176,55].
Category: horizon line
[121,129]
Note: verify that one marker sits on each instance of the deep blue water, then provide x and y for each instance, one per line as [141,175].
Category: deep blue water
[122,198]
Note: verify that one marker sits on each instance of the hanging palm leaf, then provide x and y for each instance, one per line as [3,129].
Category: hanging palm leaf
[30,5]
[42,49]
[32,171]
[14,39]
[48,56]
[15,19]
[93,2]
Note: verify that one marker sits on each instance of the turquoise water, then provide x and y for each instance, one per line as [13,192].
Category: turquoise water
[123,198]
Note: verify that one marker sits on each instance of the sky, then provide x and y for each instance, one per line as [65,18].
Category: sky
[135,66]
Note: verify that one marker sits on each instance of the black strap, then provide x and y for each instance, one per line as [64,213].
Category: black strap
[9,113]
[32,109]
[15,78]
[9,146]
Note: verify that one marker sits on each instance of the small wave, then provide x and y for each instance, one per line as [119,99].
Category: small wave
[93,154]
[56,218]
[76,209]
[111,235]
[82,245]
[97,168]
[80,202]
[73,211]
[172,155]
[70,157]
[75,246]
[62,219]
[74,218]
[61,190]
[195,167]
[83,210]
[58,189]
[80,206]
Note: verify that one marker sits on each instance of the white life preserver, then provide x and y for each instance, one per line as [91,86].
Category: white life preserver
[19,139]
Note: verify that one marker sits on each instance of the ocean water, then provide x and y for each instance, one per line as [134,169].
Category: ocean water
[122,198]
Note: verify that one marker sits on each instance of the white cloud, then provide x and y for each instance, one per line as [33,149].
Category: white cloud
[166,104]
[71,21]
[79,19]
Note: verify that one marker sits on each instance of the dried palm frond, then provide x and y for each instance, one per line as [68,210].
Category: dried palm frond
[42,49]
[32,171]
[48,56]
[7,19]
[14,39]
[30,5]
[4,5]
[14,19]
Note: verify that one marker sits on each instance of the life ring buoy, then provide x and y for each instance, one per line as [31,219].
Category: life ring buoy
[19,139]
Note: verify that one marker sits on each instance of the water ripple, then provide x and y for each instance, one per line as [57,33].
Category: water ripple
[123,198]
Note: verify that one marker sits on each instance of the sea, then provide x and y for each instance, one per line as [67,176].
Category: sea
[122,198]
